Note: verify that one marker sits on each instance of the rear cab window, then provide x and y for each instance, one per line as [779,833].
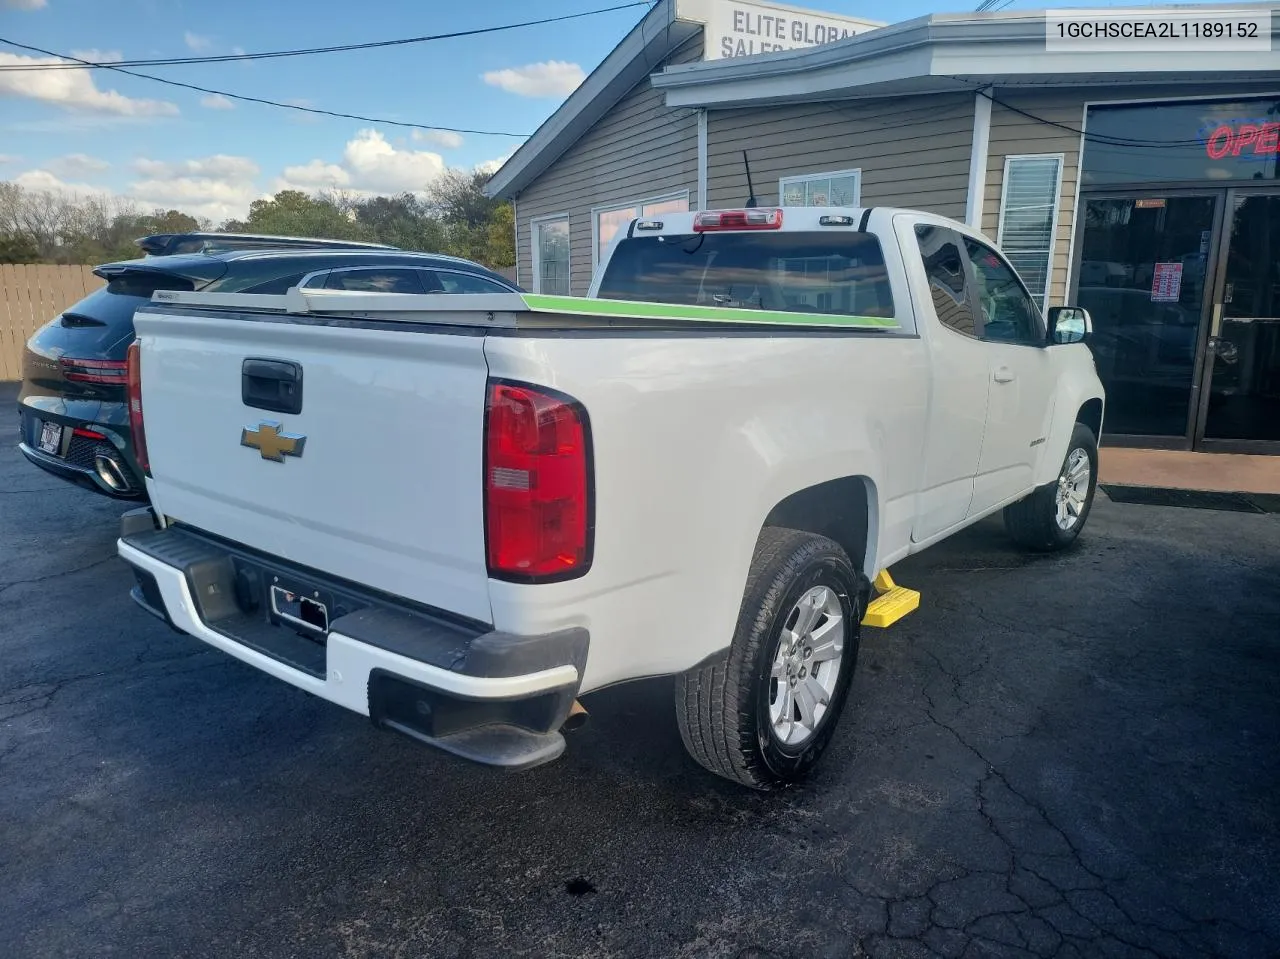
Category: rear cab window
[834,274]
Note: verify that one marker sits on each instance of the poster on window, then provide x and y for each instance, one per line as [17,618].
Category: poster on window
[1166,283]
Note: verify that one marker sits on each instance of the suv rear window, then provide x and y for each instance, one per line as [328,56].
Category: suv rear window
[114,304]
[841,274]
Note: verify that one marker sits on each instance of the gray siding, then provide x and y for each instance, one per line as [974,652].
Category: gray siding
[913,153]
[639,149]
[1014,134]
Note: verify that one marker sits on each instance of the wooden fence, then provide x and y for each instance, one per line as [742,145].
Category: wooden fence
[30,296]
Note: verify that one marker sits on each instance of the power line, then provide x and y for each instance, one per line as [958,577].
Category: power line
[1103,138]
[273,54]
[271,103]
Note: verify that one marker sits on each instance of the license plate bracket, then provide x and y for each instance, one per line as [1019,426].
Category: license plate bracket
[50,438]
[306,612]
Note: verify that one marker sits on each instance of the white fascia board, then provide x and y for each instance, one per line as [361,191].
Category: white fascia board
[939,47]
[822,82]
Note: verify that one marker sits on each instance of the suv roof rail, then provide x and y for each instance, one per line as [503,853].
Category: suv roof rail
[164,244]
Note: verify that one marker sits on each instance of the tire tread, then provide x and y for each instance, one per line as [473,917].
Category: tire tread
[712,705]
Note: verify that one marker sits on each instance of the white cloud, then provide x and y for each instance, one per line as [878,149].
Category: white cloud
[441,138]
[77,164]
[214,187]
[94,55]
[491,166]
[8,159]
[24,4]
[553,78]
[219,166]
[237,51]
[316,175]
[200,196]
[45,181]
[197,42]
[374,164]
[73,90]
[216,101]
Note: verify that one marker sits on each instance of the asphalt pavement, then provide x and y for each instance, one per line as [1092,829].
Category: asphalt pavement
[1074,755]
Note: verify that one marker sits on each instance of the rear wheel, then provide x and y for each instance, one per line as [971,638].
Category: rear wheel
[1051,518]
[763,713]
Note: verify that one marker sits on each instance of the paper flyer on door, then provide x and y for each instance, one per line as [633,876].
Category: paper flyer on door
[1166,283]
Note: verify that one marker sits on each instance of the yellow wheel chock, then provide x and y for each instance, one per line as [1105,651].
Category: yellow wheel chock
[892,602]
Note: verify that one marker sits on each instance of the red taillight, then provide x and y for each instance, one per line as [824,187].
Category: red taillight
[93,371]
[537,484]
[134,393]
[737,220]
[88,434]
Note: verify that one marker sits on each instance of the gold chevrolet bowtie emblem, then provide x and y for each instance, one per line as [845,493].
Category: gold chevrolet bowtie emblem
[269,440]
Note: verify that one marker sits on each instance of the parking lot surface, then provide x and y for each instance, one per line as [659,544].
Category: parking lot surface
[1066,755]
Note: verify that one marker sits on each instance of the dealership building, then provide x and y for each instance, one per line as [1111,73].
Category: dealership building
[1142,185]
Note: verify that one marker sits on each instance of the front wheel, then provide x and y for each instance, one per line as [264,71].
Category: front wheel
[763,713]
[1051,518]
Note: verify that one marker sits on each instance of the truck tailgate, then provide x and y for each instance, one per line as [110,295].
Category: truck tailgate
[387,489]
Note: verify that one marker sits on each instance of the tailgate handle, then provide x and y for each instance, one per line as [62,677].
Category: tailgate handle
[274,385]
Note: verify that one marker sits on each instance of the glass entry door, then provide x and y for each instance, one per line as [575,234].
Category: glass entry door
[1241,401]
[1144,271]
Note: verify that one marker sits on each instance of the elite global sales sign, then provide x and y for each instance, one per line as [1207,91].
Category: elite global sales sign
[739,28]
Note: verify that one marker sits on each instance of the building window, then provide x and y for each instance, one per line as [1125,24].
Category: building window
[551,255]
[1029,217]
[608,220]
[842,188]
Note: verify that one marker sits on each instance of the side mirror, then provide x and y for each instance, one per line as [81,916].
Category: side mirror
[1069,324]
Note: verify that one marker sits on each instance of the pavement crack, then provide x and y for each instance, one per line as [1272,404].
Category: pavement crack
[57,573]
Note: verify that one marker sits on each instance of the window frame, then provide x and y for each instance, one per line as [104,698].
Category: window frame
[637,211]
[535,256]
[971,279]
[784,181]
[1053,222]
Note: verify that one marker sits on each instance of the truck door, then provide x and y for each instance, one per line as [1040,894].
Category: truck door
[1019,403]
[960,371]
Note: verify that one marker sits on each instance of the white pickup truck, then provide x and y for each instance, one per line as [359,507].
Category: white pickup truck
[456,515]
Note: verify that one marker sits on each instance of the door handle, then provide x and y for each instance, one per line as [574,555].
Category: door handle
[274,385]
[1003,375]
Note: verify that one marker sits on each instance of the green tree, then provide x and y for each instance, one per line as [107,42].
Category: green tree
[402,221]
[480,227]
[294,213]
[16,248]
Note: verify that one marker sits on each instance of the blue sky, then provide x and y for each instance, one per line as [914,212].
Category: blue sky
[160,146]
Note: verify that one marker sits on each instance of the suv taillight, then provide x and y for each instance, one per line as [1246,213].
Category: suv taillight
[133,387]
[537,484]
[93,371]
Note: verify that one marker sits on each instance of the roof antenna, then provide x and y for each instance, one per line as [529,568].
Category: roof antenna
[752,202]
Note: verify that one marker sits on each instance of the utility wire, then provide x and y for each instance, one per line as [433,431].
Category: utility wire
[273,103]
[1103,138]
[273,54]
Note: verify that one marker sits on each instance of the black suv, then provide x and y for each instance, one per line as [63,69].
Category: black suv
[73,418]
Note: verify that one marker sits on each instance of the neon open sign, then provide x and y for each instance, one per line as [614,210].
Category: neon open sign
[1243,138]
